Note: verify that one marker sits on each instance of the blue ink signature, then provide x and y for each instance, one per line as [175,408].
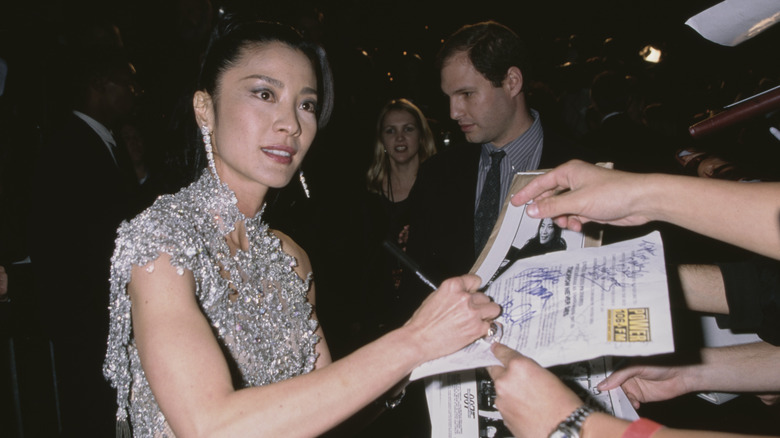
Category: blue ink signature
[632,267]
[533,282]
[537,282]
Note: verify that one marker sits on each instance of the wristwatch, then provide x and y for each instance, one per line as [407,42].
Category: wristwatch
[572,425]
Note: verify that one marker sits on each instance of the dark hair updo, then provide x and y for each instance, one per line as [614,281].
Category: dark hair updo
[232,35]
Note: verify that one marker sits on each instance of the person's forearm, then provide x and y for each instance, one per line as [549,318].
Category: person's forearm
[739,368]
[601,425]
[703,289]
[328,395]
[681,433]
[743,214]
[3,285]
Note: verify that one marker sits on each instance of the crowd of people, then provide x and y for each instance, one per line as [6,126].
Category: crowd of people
[176,232]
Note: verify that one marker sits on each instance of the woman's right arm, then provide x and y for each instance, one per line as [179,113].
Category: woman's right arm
[190,379]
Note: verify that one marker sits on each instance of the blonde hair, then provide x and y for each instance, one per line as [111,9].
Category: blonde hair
[380,162]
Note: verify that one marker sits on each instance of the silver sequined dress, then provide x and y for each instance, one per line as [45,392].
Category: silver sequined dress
[267,328]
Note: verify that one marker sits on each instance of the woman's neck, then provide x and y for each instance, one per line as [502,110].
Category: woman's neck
[250,195]
[250,207]
[237,239]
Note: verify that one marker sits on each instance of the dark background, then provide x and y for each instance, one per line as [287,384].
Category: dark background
[399,39]
[378,50]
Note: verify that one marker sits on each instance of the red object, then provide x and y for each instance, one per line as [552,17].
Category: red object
[747,109]
[641,428]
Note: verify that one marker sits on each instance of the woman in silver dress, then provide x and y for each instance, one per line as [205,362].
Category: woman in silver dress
[213,331]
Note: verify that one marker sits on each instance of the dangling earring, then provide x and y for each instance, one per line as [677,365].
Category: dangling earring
[209,150]
[303,183]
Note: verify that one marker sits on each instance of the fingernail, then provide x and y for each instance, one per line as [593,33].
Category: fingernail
[532,210]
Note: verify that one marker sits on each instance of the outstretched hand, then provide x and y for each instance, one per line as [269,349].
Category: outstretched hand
[577,192]
[531,399]
[645,383]
[452,317]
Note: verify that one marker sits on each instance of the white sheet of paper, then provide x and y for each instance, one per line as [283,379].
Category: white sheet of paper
[452,396]
[452,402]
[731,22]
[461,408]
[577,305]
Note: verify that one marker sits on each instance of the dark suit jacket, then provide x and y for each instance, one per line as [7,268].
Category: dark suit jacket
[441,231]
[79,198]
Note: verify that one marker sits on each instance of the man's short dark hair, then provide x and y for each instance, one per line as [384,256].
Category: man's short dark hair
[492,48]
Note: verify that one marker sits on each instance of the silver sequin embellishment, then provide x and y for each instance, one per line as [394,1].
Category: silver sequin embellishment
[267,328]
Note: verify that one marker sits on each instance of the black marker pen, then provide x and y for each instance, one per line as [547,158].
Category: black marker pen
[496,329]
[408,262]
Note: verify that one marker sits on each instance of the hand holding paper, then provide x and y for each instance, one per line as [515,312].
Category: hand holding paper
[576,305]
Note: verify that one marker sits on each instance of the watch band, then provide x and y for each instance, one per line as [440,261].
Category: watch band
[641,428]
[572,425]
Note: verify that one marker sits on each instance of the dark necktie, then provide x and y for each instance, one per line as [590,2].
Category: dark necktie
[489,202]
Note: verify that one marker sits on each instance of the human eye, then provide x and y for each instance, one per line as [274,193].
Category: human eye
[410,128]
[309,106]
[389,130]
[264,94]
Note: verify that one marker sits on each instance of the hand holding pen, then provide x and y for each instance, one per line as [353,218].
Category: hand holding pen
[494,332]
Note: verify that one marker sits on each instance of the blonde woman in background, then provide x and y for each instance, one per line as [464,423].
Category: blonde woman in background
[403,141]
